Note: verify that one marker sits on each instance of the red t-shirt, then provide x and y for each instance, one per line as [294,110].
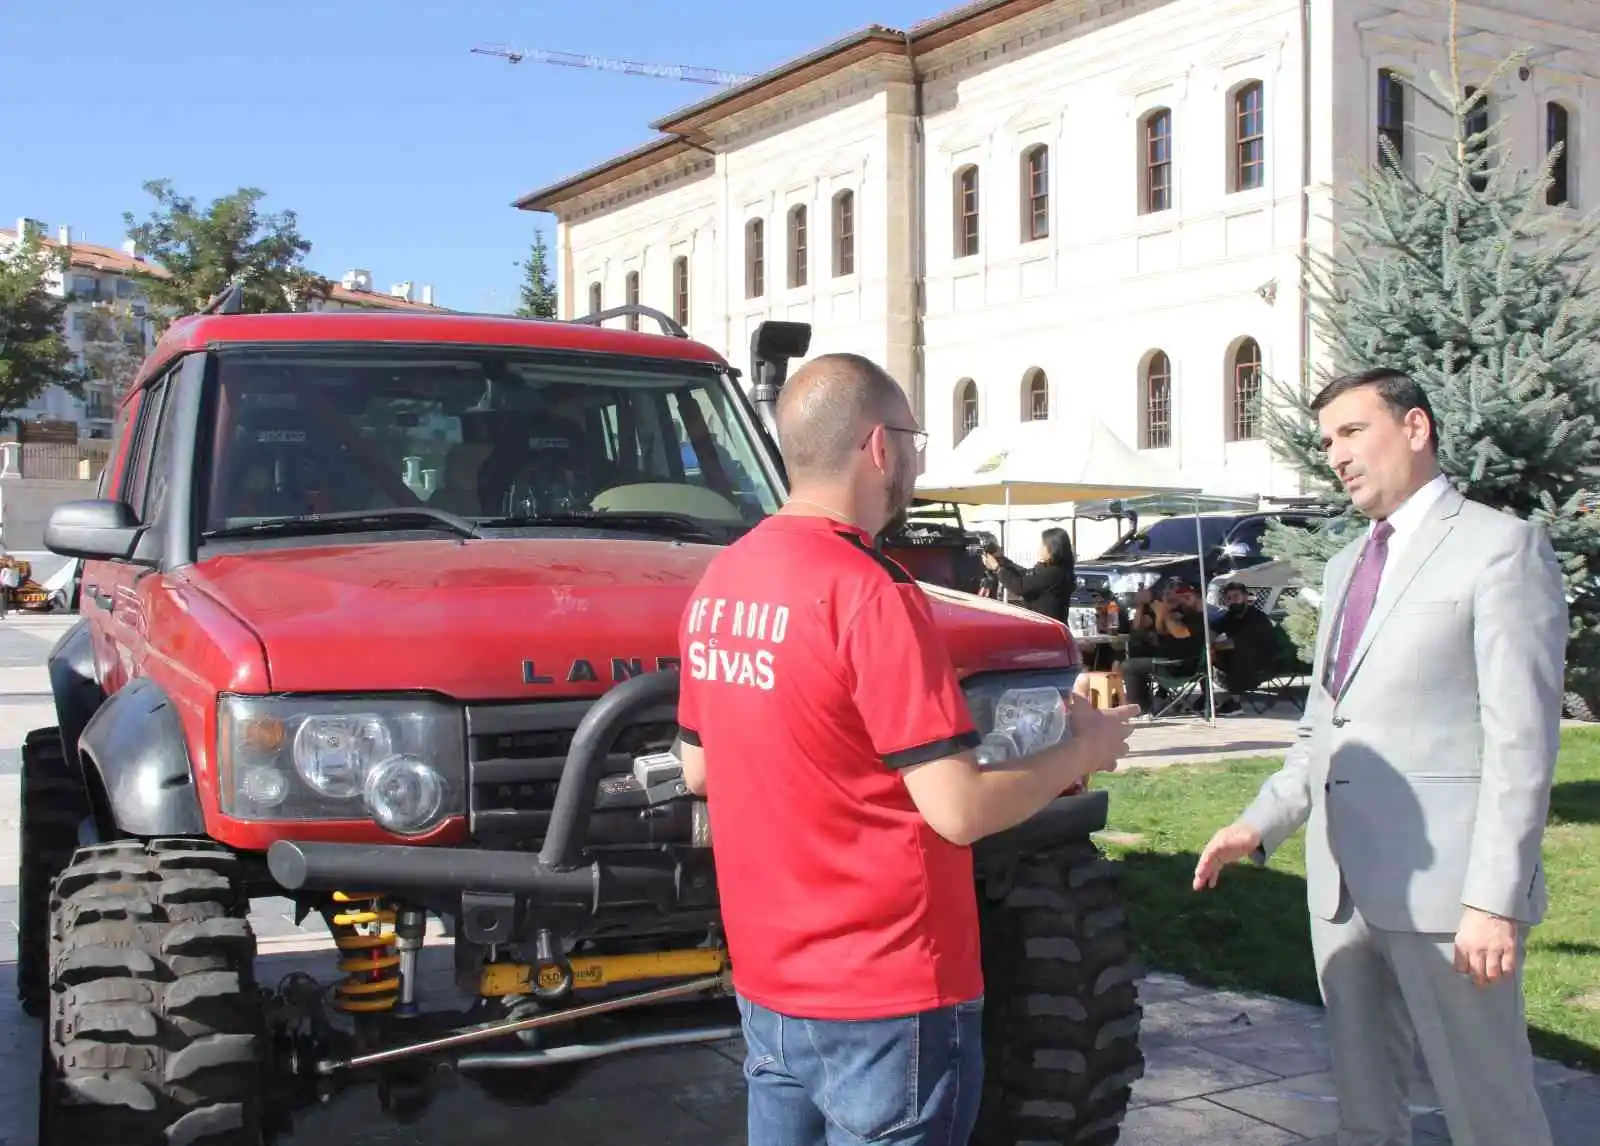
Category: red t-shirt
[812,671]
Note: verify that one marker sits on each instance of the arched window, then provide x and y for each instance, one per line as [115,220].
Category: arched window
[966,218]
[1248,127]
[844,233]
[594,298]
[680,290]
[755,258]
[632,295]
[1558,131]
[1244,391]
[1035,193]
[1155,422]
[1035,396]
[797,246]
[1477,125]
[966,408]
[1391,114]
[1155,176]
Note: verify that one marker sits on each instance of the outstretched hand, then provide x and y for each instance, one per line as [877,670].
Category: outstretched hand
[1228,845]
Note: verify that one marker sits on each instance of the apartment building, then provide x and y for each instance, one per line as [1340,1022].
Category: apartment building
[107,323]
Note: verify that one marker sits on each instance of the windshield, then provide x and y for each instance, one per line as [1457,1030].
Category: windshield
[481,434]
[1172,535]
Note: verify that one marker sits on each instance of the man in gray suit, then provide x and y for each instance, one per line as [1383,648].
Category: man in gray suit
[1422,773]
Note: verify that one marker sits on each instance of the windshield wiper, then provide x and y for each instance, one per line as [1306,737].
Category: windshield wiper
[673,523]
[350,520]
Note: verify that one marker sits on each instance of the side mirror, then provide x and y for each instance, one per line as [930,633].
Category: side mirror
[97,530]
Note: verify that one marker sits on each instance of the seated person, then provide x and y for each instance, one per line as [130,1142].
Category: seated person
[1247,656]
[1168,627]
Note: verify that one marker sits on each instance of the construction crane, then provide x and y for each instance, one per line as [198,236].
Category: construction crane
[709,76]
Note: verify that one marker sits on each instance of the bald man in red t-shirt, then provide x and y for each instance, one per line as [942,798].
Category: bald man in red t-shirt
[822,718]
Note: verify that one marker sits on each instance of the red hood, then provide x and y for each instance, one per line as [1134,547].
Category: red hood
[464,618]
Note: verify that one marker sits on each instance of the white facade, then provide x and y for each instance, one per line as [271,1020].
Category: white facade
[1131,306]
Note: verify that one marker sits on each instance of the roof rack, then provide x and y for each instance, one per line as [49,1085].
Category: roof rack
[228,300]
[668,324]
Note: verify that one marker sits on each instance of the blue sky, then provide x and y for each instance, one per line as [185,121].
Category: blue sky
[399,150]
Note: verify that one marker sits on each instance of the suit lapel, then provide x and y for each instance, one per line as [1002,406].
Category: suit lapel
[1340,567]
[1397,578]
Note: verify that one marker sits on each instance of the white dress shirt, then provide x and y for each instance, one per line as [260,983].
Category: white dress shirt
[1408,517]
[1404,521]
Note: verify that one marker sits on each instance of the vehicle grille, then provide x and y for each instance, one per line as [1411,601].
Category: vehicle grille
[1092,582]
[516,754]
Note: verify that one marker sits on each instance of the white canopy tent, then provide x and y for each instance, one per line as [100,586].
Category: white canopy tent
[1055,464]
[1046,464]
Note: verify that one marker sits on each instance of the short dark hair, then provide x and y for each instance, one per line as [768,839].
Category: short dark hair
[824,408]
[1233,586]
[1399,391]
[1057,544]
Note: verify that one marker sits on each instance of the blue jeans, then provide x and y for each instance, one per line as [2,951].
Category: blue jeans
[914,1081]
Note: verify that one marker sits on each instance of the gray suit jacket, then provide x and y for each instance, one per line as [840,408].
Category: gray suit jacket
[1424,786]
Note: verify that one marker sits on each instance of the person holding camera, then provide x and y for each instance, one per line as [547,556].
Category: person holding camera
[1046,588]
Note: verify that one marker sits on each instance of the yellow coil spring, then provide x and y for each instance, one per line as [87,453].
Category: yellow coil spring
[366,934]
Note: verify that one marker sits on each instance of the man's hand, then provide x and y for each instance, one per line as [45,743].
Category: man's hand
[1486,947]
[1103,732]
[1229,845]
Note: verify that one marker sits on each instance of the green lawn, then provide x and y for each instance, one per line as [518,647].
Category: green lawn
[1251,930]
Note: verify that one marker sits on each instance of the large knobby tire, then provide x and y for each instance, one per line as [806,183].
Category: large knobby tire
[54,804]
[156,1023]
[1061,1012]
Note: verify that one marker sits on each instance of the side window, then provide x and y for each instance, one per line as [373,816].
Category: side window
[136,475]
[123,441]
[155,495]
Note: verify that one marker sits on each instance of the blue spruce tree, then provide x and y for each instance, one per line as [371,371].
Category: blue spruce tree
[1465,278]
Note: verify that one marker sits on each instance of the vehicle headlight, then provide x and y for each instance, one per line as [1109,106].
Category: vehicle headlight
[399,760]
[1126,584]
[1019,713]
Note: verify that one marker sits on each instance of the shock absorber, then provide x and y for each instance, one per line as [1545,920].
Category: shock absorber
[366,942]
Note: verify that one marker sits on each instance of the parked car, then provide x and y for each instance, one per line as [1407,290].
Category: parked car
[1172,549]
[1272,584]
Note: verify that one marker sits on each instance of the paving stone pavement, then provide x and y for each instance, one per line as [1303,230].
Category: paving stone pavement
[1224,1068]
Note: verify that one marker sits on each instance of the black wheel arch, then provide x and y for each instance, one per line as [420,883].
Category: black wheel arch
[74,684]
[136,760]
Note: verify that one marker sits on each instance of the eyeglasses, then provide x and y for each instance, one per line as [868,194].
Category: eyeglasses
[919,438]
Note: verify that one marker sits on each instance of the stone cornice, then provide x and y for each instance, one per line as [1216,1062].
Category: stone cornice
[645,186]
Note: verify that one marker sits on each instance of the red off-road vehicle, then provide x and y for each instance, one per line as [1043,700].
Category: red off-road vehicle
[379,613]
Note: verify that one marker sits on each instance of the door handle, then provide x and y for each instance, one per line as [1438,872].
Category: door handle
[104,600]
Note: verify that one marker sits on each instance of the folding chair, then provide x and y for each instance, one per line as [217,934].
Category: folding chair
[1178,687]
[1288,681]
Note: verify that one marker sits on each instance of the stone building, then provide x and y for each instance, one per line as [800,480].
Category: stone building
[1052,208]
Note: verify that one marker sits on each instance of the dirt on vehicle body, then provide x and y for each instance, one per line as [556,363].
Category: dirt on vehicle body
[379,612]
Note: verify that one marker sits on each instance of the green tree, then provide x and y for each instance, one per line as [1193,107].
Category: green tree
[1462,277]
[538,282]
[34,354]
[203,250]
[114,346]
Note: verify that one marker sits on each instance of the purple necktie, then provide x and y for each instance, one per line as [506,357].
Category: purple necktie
[1358,600]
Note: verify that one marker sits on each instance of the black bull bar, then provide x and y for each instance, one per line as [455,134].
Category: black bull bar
[564,873]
